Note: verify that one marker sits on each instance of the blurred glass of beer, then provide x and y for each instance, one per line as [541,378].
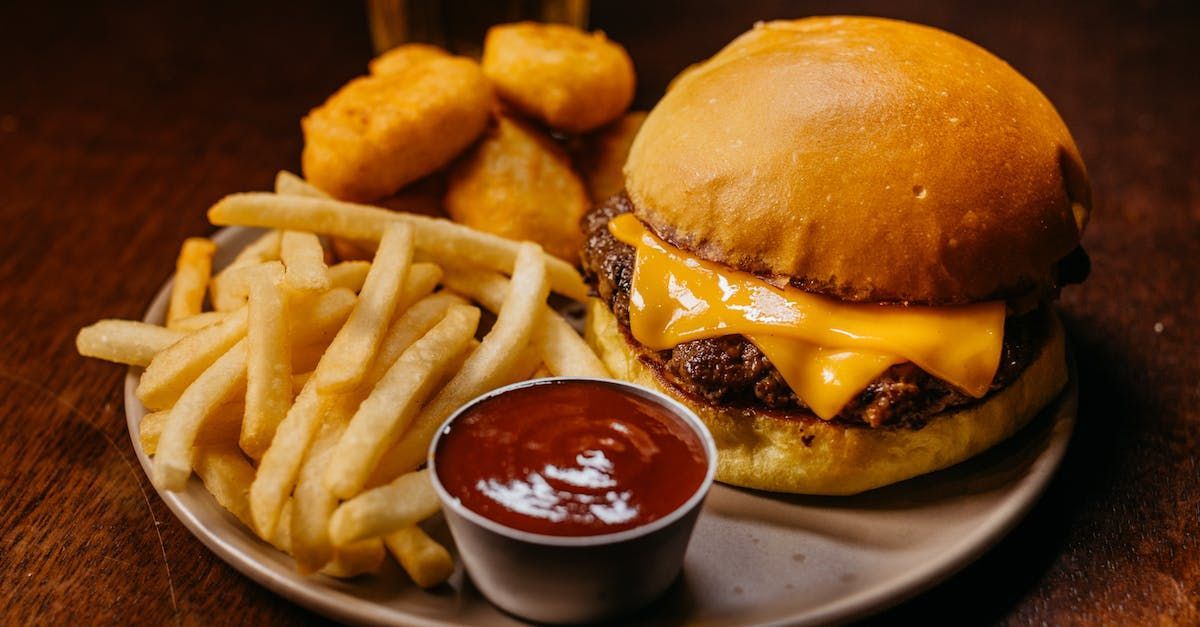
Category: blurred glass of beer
[460,25]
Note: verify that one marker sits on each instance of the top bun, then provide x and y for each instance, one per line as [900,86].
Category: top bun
[867,159]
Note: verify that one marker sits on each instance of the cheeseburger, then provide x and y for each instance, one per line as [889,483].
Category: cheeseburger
[839,243]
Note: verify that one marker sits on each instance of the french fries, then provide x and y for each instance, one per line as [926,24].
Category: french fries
[500,351]
[221,427]
[268,358]
[313,504]
[349,274]
[288,184]
[172,461]
[422,279]
[125,341]
[346,361]
[281,462]
[173,369]
[401,503]
[393,402]
[335,377]
[227,297]
[214,386]
[427,563]
[226,475]
[565,353]
[304,261]
[192,272]
[441,239]
[199,321]
[408,328]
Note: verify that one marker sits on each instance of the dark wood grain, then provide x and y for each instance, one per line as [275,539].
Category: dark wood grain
[120,124]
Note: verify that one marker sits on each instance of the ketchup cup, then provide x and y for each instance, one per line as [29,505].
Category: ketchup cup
[556,578]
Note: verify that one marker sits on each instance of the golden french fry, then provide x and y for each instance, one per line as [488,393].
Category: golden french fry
[305,357]
[317,319]
[214,386]
[298,381]
[422,279]
[415,322]
[349,274]
[191,324]
[225,377]
[192,272]
[265,248]
[313,503]
[426,562]
[346,361]
[172,370]
[235,286]
[221,428]
[280,464]
[402,503]
[304,260]
[405,330]
[359,558]
[500,350]
[564,352]
[268,359]
[441,239]
[226,474]
[288,184]
[282,536]
[541,372]
[393,402]
[125,341]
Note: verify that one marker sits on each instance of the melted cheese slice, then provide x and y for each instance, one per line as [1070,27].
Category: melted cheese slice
[824,378]
[826,350]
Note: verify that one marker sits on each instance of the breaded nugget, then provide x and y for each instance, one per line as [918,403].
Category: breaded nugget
[400,58]
[571,80]
[380,132]
[602,155]
[518,183]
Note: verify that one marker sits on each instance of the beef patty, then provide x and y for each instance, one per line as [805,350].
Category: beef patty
[731,371]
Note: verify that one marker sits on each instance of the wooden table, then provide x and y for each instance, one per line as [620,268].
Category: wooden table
[120,125]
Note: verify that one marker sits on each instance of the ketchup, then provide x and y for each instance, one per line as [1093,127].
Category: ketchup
[570,458]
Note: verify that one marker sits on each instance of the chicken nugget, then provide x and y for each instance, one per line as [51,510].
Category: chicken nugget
[572,80]
[400,58]
[602,155]
[519,184]
[380,132]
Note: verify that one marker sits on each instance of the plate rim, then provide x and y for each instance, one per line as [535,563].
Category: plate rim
[318,596]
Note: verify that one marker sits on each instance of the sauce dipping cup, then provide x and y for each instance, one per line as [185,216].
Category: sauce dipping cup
[575,578]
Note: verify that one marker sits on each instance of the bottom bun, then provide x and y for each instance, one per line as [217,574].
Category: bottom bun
[811,456]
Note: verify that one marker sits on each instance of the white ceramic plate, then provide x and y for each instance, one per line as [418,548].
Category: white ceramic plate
[755,558]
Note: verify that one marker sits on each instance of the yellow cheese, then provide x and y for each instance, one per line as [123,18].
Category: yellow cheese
[824,378]
[836,347]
